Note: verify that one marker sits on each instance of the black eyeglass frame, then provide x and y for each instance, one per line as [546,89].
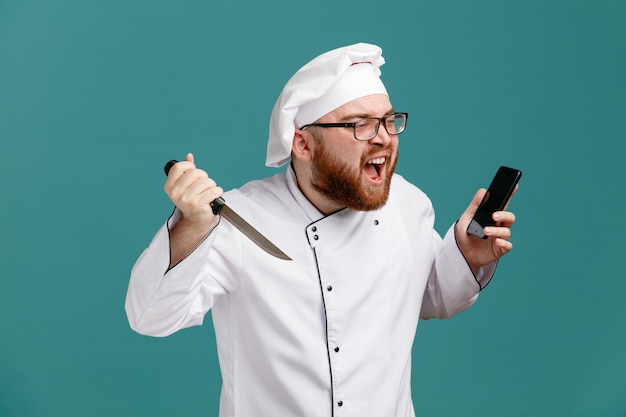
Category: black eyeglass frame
[353,125]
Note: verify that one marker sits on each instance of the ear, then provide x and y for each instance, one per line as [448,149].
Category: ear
[301,146]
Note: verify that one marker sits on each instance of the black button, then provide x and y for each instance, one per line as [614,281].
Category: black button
[329,288]
[340,403]
[376,222]
[314,229]
[337,349]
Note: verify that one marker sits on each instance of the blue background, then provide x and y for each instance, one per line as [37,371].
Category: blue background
[96,95]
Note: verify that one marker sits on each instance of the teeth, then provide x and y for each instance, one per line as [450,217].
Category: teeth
[377,161]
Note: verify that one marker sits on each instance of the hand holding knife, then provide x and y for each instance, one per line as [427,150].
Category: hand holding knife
[219,207]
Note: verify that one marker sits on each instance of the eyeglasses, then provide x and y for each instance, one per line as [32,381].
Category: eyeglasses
[367,128]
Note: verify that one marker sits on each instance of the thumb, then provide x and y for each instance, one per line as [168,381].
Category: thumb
[189,157]
[473,206]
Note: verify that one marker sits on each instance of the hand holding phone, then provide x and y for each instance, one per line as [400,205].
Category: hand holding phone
[496,198]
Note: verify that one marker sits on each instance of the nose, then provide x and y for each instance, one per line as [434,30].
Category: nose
[382,138]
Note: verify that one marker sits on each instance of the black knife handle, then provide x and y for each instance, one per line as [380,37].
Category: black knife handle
[216,204]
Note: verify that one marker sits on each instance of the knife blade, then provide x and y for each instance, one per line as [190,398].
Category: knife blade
[220,208]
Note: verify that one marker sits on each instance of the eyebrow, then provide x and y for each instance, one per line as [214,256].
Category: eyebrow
[364,115]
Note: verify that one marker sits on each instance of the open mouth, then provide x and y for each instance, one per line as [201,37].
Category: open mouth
[374,169]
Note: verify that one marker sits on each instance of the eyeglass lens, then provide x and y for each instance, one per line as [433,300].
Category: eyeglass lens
[368,128]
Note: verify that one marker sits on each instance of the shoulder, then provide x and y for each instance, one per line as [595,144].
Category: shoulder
[271,187]
[404,193]
[263,196]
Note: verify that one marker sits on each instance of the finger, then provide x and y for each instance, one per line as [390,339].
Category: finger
[498,232]
[176,172]
[179,186]
[200,194]
[469,212]
[504,218]
[200,186]
[179,168]
[502,247]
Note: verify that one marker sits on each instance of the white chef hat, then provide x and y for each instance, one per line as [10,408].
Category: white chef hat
[324,84]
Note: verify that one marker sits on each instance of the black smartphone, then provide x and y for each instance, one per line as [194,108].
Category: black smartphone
[498,194]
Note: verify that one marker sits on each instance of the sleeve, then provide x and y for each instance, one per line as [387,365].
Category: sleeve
[159,301]
[452,286]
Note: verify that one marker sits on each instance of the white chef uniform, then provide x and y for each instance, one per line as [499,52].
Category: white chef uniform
[330,332]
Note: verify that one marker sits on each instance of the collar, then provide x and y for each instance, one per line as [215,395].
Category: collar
[307,207]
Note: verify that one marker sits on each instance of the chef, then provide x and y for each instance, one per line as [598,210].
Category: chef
[329,332]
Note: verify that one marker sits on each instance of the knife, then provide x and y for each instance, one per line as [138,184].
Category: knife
[220,208]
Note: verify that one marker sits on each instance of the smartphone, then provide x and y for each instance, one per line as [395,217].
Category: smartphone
[496,198]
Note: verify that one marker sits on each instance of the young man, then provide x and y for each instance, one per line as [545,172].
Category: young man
[330,332]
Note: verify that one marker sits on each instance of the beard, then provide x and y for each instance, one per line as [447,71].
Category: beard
[344,183]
